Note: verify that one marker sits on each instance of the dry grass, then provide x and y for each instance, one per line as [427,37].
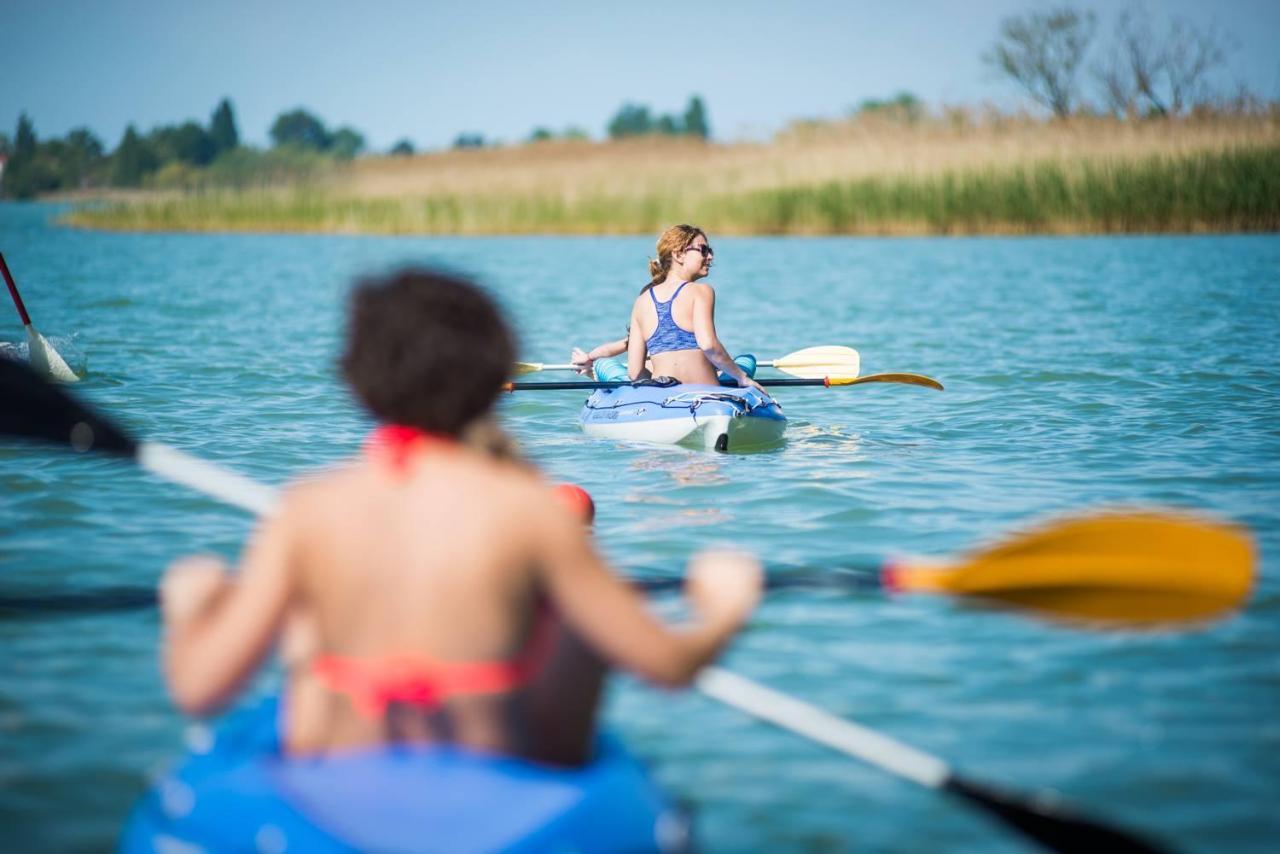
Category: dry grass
[863,176]
[805,155]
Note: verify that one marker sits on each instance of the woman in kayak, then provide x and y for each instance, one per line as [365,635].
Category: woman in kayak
[428,591]
[672,331]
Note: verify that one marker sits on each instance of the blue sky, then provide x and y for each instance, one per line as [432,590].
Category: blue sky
[428,70]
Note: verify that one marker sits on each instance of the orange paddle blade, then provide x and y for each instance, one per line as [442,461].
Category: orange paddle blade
[1129,566]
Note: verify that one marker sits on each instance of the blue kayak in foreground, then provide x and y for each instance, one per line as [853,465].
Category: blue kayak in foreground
[242,794]
[704,416]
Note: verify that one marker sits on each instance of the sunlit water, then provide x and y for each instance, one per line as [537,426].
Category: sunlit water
[1080,373]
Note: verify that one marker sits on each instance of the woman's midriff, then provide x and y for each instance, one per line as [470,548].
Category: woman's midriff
[688,366]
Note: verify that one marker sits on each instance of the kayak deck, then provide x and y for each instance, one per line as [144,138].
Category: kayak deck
[243,794]
[711,417]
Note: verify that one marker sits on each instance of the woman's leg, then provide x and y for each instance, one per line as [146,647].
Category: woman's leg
[748,364]
[611,369]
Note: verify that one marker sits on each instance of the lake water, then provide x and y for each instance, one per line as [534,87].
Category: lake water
[1080,373]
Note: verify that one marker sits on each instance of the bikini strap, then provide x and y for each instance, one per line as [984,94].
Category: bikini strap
[396,443]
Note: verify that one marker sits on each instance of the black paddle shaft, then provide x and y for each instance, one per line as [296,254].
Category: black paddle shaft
[35,604]
[1049,823]
[34,408]
[590,385]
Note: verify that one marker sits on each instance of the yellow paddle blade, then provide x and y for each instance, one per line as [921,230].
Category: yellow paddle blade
[814,363]
[908,379]
[1126,566]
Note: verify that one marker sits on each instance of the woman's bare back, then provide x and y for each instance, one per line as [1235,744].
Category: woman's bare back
[429,562]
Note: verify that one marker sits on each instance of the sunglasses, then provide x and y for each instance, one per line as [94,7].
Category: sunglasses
[705,251]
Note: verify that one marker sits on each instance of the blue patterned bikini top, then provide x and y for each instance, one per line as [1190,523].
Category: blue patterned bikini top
[669,335]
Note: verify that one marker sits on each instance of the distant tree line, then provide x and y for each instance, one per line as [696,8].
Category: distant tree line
[636,120]
[903,107]
[1147,68]
[631,120]
[167,155]
[300,129]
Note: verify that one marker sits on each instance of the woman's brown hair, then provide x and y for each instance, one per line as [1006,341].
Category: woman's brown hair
[426,349]
[673,241]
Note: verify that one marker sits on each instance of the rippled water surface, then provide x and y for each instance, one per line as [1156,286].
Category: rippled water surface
[1080,373]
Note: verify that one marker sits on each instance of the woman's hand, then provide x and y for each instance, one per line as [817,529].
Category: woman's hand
[724,586]
[581,361]
[190,585]
[748,382]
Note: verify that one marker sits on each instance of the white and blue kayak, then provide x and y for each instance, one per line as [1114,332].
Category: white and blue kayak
[712,417]
[241,793]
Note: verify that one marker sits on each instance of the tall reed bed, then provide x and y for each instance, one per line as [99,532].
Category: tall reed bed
[1095,176]
[1220,191]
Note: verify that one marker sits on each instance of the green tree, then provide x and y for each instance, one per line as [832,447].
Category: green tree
[903,107]
[630,120]
[695,118]
[300,128]
[667,125]
[85,142]
[1042,51]
[81,154]
[27,174]
[222,128]
[469,140]
[6,144]
[24,140]
[345,143]
[541,134]
[403,148]
[132,161]
[185,143]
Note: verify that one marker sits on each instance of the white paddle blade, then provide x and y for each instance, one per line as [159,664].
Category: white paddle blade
[815,363]
[522,368]
[46,360]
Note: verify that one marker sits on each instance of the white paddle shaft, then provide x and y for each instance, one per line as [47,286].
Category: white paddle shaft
[817,725]
[213,480]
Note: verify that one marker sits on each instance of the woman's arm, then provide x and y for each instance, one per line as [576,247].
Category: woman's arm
[722,589]
[704,330]
[219,629]
[637,352]
[583,362]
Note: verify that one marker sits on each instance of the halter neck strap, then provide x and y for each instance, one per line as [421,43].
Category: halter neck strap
[396,443]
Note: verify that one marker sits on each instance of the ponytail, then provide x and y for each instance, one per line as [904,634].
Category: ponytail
[675,239]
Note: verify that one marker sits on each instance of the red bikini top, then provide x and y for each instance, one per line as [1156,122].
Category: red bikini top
[414,679]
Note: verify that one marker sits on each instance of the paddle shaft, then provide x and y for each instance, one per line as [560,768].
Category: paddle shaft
[13,292]
[106,600]
[825,382]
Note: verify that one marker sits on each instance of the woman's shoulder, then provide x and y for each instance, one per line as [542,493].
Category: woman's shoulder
[702,288]
[323,485]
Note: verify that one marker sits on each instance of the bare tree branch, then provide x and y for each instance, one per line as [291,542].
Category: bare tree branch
[1042,52]
[1168,73]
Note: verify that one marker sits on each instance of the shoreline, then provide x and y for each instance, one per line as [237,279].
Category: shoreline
[860,179]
